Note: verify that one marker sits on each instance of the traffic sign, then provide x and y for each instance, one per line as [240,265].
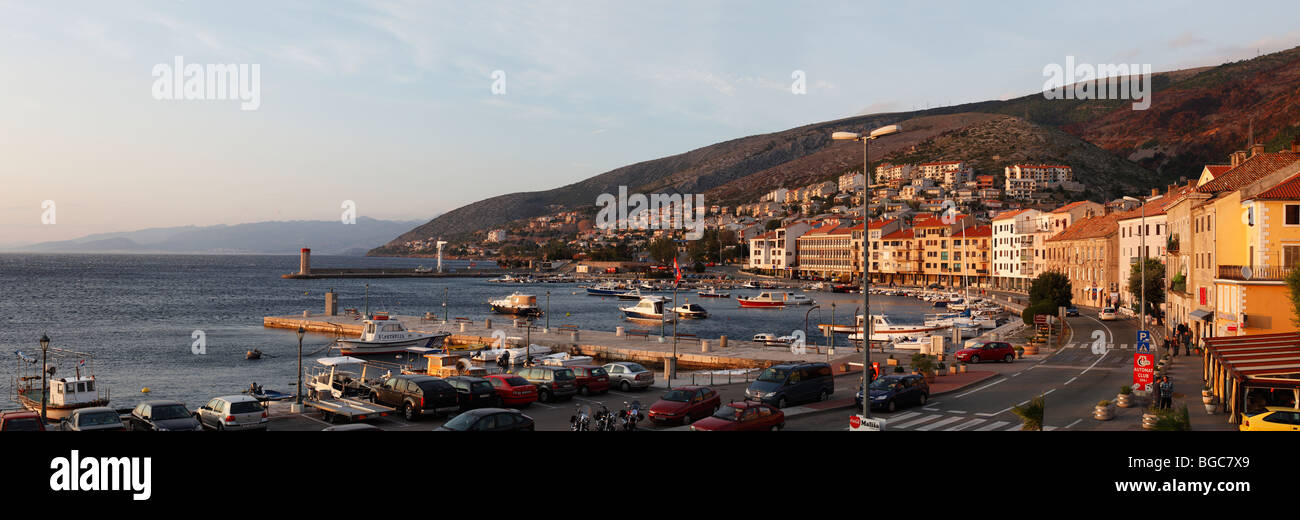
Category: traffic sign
[1144,341]
[858,423]
[1144,368]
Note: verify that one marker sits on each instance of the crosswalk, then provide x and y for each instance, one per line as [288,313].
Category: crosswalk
[924,422]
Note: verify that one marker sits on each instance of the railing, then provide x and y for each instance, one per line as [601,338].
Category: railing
[1271,273]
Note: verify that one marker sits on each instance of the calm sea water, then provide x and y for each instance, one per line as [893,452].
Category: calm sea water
[135,315]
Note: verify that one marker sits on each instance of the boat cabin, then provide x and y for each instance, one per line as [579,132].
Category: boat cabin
[66,391]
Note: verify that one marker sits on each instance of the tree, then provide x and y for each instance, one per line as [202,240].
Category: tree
[772,224]
[1051,287]
[1155,284]
[1293,283]
[663,250]
[1031,413]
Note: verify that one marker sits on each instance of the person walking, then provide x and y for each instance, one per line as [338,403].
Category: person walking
[1166,393]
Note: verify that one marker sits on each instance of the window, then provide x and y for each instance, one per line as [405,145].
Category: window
[1293,215]
[1290,255]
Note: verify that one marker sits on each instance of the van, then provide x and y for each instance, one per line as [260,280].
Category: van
[792,383]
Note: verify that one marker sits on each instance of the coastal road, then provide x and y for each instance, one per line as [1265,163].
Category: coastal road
[1072,378]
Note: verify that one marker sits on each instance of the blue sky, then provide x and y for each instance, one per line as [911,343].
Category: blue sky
[391,104]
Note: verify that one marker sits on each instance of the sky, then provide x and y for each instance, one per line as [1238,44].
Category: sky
[411,109]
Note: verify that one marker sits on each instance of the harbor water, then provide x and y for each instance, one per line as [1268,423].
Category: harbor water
[139,315]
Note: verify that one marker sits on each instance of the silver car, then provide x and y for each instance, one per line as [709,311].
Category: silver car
[232,412]
[93,419]
[627,375]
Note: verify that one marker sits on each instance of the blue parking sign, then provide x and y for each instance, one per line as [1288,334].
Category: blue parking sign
[1144,341]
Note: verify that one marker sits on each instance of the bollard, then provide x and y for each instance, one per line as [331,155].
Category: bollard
[306,314]
[722,341]
[618,332]
[573,336]
[487,323]
[704,345]
[462,326]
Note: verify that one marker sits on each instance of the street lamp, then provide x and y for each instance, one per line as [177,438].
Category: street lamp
[1142,231]
[298,394]
[866,255]
[548,311]
[45,348]
[805,320]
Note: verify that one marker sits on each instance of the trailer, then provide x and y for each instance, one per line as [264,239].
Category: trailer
[347,408]
[336,393]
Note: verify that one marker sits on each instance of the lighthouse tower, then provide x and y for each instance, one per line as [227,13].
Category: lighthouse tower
[440,244]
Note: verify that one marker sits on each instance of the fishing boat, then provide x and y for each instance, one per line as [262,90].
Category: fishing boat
[691,311]
[917,343]
[383,336]
[605,289]
[261,394]
[649,308]
[713,293]
[518,304]
[63,395]
[882,329]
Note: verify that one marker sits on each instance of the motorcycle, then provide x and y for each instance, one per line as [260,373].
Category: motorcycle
[581,421]
[630,415]
[604,420]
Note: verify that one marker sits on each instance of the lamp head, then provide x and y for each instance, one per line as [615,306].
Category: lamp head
[301,331]
[45,341]
[886,130]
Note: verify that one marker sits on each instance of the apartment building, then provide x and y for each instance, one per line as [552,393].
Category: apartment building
[851,182]
[940,262]
[1087,253]
[894,172]
[1013,255]
[947,173]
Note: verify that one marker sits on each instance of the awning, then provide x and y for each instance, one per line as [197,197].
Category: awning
[1201,315]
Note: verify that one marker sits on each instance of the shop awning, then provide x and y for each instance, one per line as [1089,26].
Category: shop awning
[1201,315]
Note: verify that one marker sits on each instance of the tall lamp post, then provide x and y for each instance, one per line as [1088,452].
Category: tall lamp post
[45,348]
[866,255]
[805,320]
[298,394]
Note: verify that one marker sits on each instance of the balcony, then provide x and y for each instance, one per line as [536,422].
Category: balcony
[1259,273]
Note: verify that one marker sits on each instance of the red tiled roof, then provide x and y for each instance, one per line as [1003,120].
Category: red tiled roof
[935,221]
[1070,206]
[1217,169]
[1009,214]
[1254,168]
[1153,208]
[941,163]
[902,233]
[877,224]
[1094,227]
[976,231]
[1287,189]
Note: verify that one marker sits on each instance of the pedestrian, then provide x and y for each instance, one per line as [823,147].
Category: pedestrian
[1166,393]
[503,361]
[1187,347]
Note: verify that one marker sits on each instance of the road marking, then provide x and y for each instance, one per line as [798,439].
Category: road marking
[965,425]
[622,394]
[992,426]
[1015,428]
[923,419]
[1016,374]
[1048,428]
[543,405]
[995,413]
[980,388]
[1044,394]
[928,409]
[1103,325]
[1071,380]
[902,416]
[934,425]
[1094,363]
[956,411]
[1076,421]
[1022,403]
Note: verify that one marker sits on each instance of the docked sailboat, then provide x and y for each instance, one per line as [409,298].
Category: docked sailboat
[384,336]
[518,304]
[63,395]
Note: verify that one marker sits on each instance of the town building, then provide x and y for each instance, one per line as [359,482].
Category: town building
[1087,253]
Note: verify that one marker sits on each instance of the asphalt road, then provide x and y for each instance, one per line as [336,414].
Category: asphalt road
[1072,378]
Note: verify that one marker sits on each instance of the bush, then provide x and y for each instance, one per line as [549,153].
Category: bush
[1173,420]
[1103,403]
[1031,413]
[922,363]
[1125,390]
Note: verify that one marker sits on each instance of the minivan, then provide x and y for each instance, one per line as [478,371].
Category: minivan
[551,382]
[788,383]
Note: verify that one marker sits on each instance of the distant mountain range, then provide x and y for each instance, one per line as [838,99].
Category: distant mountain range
[1197,117]
[280,237]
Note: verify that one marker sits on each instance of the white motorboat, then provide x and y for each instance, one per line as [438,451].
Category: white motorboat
[490,355]
[384,336]
[634,294]
[917,343]
[691,311]
[649,308]
[518,304]
[63,394]
[564,359]
[884,330]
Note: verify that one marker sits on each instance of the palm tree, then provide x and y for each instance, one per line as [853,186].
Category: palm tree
[1031,413]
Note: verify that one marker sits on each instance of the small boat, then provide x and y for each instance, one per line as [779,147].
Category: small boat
[633,295]
[564,359]
[384,336]
[490,355]
[518,304]
[750,285]
[917,343]
[771,339]
[884,330]
[649,308]
[261,394]
[605,289]
[253,354]
[691,311]
[713,293]
[62,395]
[775,299]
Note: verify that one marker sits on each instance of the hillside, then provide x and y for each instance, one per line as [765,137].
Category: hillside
[1197,116]
[324,237]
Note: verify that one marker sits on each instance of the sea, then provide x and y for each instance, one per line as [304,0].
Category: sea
[137,317]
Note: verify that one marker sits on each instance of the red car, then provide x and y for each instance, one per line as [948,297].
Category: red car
[591,379]
[743,416]
[22,421]
[987,351]
[685,404]
[512,389]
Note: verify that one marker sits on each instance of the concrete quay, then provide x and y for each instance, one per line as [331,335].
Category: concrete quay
[692,353]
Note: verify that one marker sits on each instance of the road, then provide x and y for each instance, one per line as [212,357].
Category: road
[1072,378]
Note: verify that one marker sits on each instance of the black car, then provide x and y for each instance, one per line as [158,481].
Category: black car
[416,395]
[489,420]
[162,416]
[551,382]
[889,392]
[1071,311]
[780,385]
[474,392]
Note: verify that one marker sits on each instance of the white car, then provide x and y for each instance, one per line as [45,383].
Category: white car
[232,412]
[1107,314]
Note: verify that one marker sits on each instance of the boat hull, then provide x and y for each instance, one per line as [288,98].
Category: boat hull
[751,304]
[603,292]
[516,311]
[350,347]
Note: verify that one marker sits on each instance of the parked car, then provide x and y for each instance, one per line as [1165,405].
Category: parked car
[489,420]
[788,383]
[473,392]
[552,382]
[416,395]
[627,375]
[742,416]
[591,379]
[890,391]
[21,421]
[162,416]
[1274,418]
[513,390]
[1107,314]
[233,412]
[685,405]
[1071,311]
[93,419]
[987,351]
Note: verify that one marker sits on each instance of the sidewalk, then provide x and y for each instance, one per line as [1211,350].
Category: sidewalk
[1186,375]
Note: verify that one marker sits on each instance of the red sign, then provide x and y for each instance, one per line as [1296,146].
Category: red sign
[1144,369]
[855,421]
